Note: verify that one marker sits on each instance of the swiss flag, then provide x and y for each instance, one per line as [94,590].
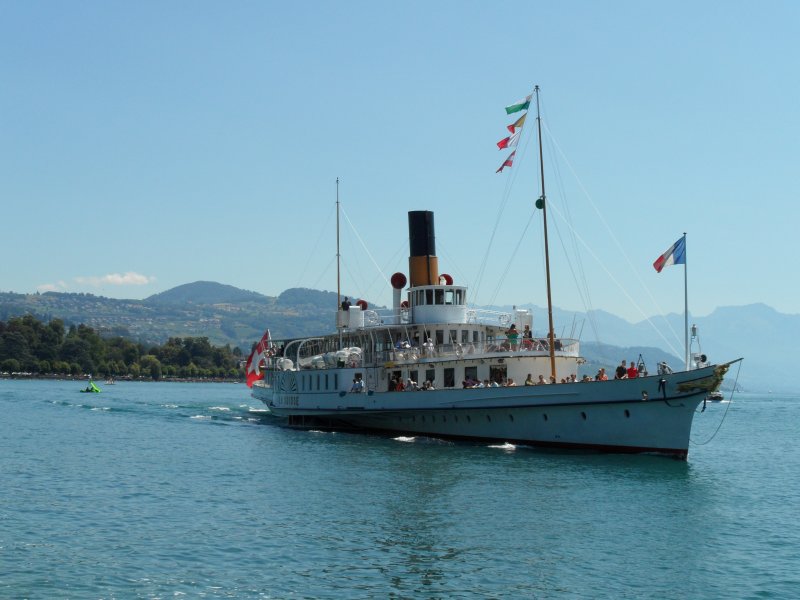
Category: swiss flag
[257,356]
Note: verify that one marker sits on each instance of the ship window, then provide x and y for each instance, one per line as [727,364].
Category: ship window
[428,296]
[326,381]
[460,297]
[448,296]
[318,383]
[476,337]
[414,376]
[464,336]
[449,378]
[498,373]
[471,373]
[336,381]
[430,375]
[439,337]
[439,297]
[453,336]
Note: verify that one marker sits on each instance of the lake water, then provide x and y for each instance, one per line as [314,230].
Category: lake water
[169,490]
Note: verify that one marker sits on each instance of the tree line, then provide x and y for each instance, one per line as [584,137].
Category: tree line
[29,346]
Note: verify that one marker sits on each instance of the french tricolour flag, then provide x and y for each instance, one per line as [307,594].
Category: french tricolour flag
[676,255]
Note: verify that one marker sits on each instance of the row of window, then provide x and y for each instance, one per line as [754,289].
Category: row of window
[413,418]
[319,382]
[439,296]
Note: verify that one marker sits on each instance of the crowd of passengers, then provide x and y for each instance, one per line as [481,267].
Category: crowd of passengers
[397,384]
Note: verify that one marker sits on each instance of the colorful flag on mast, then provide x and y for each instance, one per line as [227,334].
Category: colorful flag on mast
[517,124]
[259,354]
[519,105]
[509,142]
[507,162]
[676,255]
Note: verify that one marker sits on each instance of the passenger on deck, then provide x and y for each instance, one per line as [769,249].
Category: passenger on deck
[358,385]
[400,386]
[601,375]
[428,347]
[529,380]
[512,335]
[510,383]
[621,372]
[633,372]
[541,380]
[346,304]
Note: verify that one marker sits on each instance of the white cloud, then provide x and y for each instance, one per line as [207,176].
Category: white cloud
[59,286]
[129,278]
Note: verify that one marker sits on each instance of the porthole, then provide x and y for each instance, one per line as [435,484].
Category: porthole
[583,416]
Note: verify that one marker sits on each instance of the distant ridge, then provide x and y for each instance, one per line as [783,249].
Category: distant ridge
[205,292]
[229,315]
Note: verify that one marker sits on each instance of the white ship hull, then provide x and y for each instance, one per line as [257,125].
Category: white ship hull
[644,415]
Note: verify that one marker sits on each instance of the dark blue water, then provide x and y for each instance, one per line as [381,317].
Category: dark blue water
[152,490]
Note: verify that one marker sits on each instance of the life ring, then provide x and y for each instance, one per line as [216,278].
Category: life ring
[404,304]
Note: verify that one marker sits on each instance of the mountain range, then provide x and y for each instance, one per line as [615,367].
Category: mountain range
[229,315]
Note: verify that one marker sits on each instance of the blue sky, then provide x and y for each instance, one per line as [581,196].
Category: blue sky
[144,145]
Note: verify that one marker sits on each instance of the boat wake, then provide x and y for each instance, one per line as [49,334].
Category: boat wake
[505,447]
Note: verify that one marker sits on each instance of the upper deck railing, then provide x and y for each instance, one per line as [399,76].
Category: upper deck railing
[387,316]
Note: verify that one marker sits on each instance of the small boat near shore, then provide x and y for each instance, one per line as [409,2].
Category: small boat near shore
[91,388]
[431,365]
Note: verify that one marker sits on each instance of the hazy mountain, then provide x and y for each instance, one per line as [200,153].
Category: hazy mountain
[206,292]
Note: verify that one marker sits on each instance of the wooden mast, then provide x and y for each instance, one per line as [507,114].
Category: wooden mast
[551,338]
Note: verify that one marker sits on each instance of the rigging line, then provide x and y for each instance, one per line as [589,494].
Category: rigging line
[614,237]
[504,201]
[724,416]
[451,261]
[391,260]
[619,285]
[324,272]
[316,245]
[369,254]
[583,287]
[511,260]
[579,278]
